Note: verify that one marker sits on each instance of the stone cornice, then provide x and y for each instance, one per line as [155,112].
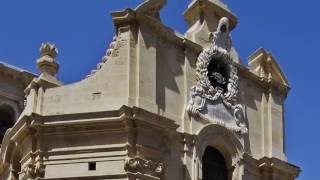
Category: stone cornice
[268,86]
[130,17]
[15,74]
[97,120]
[276,166]
[108,121]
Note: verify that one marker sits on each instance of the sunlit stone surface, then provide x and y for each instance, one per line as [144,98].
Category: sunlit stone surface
[152,109]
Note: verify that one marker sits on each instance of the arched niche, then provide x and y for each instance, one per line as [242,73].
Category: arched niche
[13,105]
[214,165]
[219,73]
[226,143]
[7,119]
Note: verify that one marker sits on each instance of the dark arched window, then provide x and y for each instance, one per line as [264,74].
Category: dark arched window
[6,120]
[214,165]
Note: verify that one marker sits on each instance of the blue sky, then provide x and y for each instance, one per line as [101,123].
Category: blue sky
[82,30]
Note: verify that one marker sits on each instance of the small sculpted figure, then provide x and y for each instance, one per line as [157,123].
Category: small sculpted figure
[221,38]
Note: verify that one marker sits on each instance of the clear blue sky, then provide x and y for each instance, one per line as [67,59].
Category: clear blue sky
[82,30]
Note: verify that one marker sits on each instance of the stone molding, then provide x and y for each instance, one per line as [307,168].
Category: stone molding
[273,167]
[86,121]
[16,74]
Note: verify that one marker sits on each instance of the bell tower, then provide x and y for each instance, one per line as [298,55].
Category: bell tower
[203,18]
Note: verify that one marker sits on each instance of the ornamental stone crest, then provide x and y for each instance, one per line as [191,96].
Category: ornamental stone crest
[214,97]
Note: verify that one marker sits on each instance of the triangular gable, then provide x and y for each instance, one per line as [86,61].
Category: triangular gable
[264,65]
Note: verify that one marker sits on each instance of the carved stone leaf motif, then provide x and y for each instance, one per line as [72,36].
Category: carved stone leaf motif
[217,82]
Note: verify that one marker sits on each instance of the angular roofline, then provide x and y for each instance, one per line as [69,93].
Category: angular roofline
[16,68]
[262,51]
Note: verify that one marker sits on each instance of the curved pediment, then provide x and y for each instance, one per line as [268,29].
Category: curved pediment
[151,7]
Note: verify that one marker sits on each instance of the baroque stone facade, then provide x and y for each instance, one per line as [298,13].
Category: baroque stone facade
[159,105]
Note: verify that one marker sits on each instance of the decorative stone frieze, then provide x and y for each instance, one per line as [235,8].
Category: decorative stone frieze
[135,165]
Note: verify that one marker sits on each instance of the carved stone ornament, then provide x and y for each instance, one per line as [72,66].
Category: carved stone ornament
[214,97]
[150,167]
[32,171]
[47,62]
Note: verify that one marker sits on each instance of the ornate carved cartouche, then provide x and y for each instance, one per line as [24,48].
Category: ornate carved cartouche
[214,98]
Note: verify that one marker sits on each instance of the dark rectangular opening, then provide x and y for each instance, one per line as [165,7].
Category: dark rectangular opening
[92,166]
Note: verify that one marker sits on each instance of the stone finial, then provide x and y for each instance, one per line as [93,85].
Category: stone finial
[48,49]
[47,63]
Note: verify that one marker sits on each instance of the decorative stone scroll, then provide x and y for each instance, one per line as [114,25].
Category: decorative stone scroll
[214,97]
[108,55]
[151,7]
[150,167]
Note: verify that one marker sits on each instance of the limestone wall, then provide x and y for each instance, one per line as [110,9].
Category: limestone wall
[149,70]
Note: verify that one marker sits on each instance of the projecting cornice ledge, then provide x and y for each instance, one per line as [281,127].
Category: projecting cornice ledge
[268,85]
[124,113]
[117,120]
[277,168]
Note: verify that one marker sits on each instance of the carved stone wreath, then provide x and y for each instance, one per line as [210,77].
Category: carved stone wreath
[204,91]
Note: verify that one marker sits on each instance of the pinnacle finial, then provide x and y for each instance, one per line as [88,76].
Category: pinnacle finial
[48,49]
[47,63]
